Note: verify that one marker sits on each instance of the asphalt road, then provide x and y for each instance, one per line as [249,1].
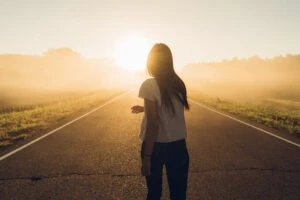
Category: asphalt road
[97,157]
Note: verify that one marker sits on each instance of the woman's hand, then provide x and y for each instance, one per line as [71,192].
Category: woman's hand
[146,166]
[137,109]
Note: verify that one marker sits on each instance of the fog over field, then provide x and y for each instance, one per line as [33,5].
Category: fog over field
[59,73]
[63,72]
[250,78]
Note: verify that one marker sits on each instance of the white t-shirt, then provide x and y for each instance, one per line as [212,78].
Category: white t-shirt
[171,127]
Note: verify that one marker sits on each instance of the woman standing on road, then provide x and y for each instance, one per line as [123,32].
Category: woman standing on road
[163,129]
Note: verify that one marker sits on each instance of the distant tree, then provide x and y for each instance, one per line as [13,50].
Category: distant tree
[255,59]
[62,52]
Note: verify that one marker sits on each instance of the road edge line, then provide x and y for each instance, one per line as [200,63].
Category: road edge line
[62,126]
[245,123]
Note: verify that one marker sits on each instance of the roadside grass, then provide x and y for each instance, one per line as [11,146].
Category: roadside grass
[280,116]
[19,122]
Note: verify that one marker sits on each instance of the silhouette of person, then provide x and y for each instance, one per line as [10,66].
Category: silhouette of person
[163,130]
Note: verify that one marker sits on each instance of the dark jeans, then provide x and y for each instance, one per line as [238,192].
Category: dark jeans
[175,157]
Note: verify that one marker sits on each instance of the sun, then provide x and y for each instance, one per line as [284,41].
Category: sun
[132,52]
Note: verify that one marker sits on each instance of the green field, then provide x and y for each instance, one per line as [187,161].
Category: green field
[21,121]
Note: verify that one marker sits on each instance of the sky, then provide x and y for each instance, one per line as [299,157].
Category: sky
[195,30]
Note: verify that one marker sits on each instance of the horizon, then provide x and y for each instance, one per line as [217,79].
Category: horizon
[114,59]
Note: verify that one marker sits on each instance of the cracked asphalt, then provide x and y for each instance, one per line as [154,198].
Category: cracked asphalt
[98,157]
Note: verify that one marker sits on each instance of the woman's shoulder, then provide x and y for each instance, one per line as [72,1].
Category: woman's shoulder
[149,86]
[149,82]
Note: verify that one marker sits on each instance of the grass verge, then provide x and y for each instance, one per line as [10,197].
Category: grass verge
[272,114]
[20,122]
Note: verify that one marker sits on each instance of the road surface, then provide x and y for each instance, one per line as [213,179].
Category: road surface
[97,157]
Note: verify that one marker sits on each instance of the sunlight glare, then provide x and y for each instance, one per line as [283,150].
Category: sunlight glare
[132,53]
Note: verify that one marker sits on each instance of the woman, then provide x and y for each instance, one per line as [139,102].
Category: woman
[163,129]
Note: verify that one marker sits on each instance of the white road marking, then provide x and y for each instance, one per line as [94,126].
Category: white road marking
[57,129]
[245,123]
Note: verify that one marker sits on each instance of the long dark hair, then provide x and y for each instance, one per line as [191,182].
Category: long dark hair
[160,66]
